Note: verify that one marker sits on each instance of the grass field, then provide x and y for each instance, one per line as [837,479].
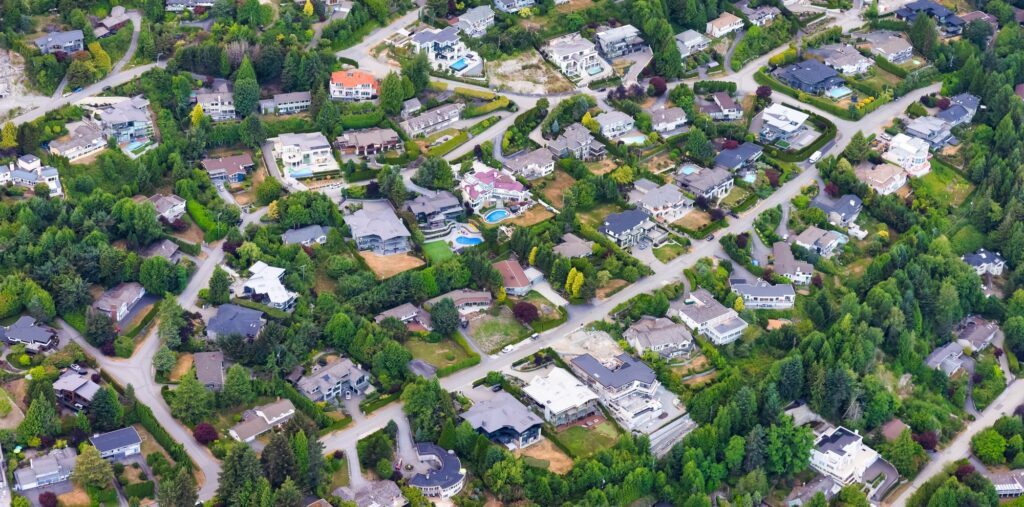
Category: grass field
[736,196]
[967,239]
[694,220]
[534,215]
[943,184]
[669,251]
[386,266]
[437,251]
[582,442]
[595,216]
[443,353]
[492,333]
[340,478]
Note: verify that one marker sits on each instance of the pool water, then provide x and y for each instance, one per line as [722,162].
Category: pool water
[496,216]
[133,145]
[468,240]
[595,70]
[688,169]
[840,92]
[459,64]
[750,178]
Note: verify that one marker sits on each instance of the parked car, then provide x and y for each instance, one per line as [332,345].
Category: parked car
[710,237]
[815,157]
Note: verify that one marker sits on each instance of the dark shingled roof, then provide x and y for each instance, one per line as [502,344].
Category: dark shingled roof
[448,475]
[618,223]
[115,439]
[630,370]
[234,319]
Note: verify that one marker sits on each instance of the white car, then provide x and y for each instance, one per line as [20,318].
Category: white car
[507,349]
[815,157]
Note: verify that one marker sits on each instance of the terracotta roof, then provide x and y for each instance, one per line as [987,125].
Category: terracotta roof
[353,78]
[512,273]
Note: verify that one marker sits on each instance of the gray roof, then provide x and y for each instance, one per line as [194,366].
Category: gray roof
[81,385]
[477,14]
[668,115]
[234,319]
[287,98]
[618,223]
[374,494]
[27,330]
[761,288]
[448,34]
[845,206]
[115,439]
[132,110]
[432,117]
[967,100]
[573,137]
[574,246]
[628,370]
[953,114]
[837,441]
[303,234]
[736,157]
[703,307]
[59,38]
[305,141]
[449,473]
[704,180]
[163,248]
[501,411]
[81,134]
[689,36]
[539,157]
[376,219]
[657,332]
[612,118]
[786,263]
[982,257]
[429,204]
[209,367]
[650,194]
[810,72]
[462,297]
[943,357]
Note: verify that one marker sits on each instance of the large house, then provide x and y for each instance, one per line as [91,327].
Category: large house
[885,179]
[514,277]
[191,5]
[163,248]
[218,106]
[446,476]
[262,419]
[232,168]
[614,124]
[118,444]
[961,110]
[513,6]
[465,300]
[577,142]
[444,50]
[761,295]
[169,207]
[910,153]
[28,171]
[61,42]
[691,41]
[377,228]
[948,21]
[51,468]
[374,494]
[659,335]
[711,184]
[573,246]
[985,262]
[840,212]
[325,383]
[841,454]
[35,336]
[475,21]
[663,203]
[722,107]
[209,369]
[761,16]
[936,132]
[305,154]
[948,358]
[782,123]
[562,397]
[619,41]
[532,165]
[631,227]
[354,85]
[435,212]
[287,103]
[305,236]
[264,286]
[785,264]
[84,138]
[491,187]
[740,157]
[976,332]
[822,242]
[117,302]
[892,46]
[701,311]
[627,387]
[75,390]
[844,58]
[127,121]
[233,319]
[504,420]
[725,24]
[668,119]
[415,318]
[810,76]
[368,142]
[432,120]
[577,58]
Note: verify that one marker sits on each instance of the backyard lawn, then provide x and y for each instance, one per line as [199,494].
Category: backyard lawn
[437,251]
[669,251]
[493,332]
[943,184]
[582,442]
[339,478]
[694,220]
[736,196]
[595,216]
[443,353]
[554,190]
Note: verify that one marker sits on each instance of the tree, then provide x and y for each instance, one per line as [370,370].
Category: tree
[197,115]
[288,495]
[989,446]
[251,131]
[91,470]
[205,433]
[445,317]
[164,360]
[278,460]
[105,411]
[924,36]
[764,92]
[172,321]
[392,185]
[177,489]
[40,420]
[417,68]
[9,137]
[220,287]
[525,312]
[435,174]
[308,9]
[237,387]
[391,94]
[905,454]
[858,149]
[191,400]
[247,95]
[100,58]
[301,448]
[241,466]
[99,329]
[48,499]
[978,32]
[698,147]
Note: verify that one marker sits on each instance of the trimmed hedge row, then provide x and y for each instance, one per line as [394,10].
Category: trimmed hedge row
[369,405]
[145,322]
[494,105]
[449,145]
[472,360]
[711,86]
[148,421]
[186,246]
[474,93]
[762,77]
[139,490]
[362,120]
[278,387]
[890,67]
[479,127]
[201,216]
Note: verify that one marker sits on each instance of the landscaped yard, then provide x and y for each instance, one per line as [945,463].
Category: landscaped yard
[669,251]
[736,196]
[493,332]
[603,166]
[443,353]
[554,190]
[339,477]
[595,217]
[437,251]
[943,184]
[386,266]
[582,442]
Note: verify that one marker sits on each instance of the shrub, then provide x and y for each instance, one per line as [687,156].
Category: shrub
[494,105]
[139,490]
[124,346]
[525,312]
[204,433]
[48,499]
[473,93]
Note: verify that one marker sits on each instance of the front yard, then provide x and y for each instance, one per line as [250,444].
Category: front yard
[494,332]
[443,353]
[669,251]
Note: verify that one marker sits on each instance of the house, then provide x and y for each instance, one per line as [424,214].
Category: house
[328,382]
[232,168]
[513,6]
[626,386]
[234,319]
[51,468]
[930,129]
[513,278]
[893,429]
[168,206]
[209,369]
[690,42]
[810,76]
[465,300]
[985,262]
[75,390]
[368,142]
[118,444]
[27,331]
[505,421]
[432,120]
[264,286]
[761,295]
[575,141]
[305,236]
[119,301]
[573,246]
[163,248]
[415,319]
[446,476]
[660,335]
[28,171]
[61,42]
[305,154]
[475,22]
[976,332]
[374,494]
[354,85]
[532,165]
[562,397]
[841,454]
[411,107]
[444,50]
[947,358]
[782,123]
[885,179]
[341,7]
[436,212]
[577,58]
[701,311]
[109,25]
[287,103]
[668,119]
[181,5]
[631,227]
[841,212]
[725,24]
[262,419]
[949,23]
[84,138]
[663,203]
[740,157]
[491,187]
[893,46]
[721,108]
[218,106]
[785,264]
[761,16]
[844,58]
[803,494]
[981,16]
[711,184]
[619,41]
[614,124]
[961,110]
[819,241]
[910,153]
[127,121]
[377,228]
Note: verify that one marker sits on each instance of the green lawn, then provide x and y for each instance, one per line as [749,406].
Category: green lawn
[582,442]
[943,185]
[437,251]
[492,333]
[669,251]
[736,196]
[595,216]
[967,239]
[443,353]
[340,477]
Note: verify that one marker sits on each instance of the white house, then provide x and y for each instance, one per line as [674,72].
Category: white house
[444,50]
[664,203]
[304,155]
[53,467]
[660,335]
[264,285]
[723,25]
[263,419]
[170,207]
[761,295]
[785,264]
[619,41]
[844,58]
[577,58]
[535,164]
[28,171]
[354,85]
[433,120]
[562,398]
[820,241]
[885,179]
[627,387]
[985,262]
[668,119]
[118,444]
[782,123]
[841,454]
[475,22]
[615,124]
[84,138]
[218,106]
[701,311]
[690,42]
[910,153]
[487,187]
[513,6]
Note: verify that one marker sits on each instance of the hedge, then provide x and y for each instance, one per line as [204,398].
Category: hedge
[272,312]
[890,67]
[449,145]
[201,216]
[362,120]
[452,77]
[472,360]
[494,105]
[283,125]
[335,426]
[474,93]
[372,403]
[102,496]
[479,127]
[701,87]
[145,322]
[76,320]
[139,490]
[348,61]
[186,246]
[437,86]
[148,421]
[824,104]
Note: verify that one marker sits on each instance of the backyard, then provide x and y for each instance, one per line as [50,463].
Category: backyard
[582,442]
[669,251]
[943,185]
[554,190]
[386,266]
[443,353]
[533,216]
[545,454]
[437,251]
[736,196]
[694,220]
[493,332]
[595,216]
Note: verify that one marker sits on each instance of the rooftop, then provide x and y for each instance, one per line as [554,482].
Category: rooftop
[303,234]
[449,473]
[558,390]
[501,411]
[234,319]
[376,219]
[116,439]
[623,371]
[618,223]
[512,273]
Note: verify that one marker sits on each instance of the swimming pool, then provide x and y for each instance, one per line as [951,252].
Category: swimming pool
[750,178]
[468,240]
[596,69]
[134,145]
[689,169]
[496,216]
[459,64]
[840,92]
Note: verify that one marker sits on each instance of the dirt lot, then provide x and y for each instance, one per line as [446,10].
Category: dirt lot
[610,289]
[694,220]
[181,368]
[603,166]
[596,343]
[660,162]
[75,497]
[193,234]
[492,332]
[527,73]
[386,266]
[545,451]
[554,190]
[16,390]
[534,215]
[574,5]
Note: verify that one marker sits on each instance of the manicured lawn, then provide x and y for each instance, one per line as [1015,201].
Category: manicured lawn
[582,442]
[443,353]
[492,333]
[943,184]
[736,196]
[595,216]
[340,477]
[669,251]
[437,251]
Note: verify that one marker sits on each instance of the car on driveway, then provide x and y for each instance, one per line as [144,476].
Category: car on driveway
[710,237]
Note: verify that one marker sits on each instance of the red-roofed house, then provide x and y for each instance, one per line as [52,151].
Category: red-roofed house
[354,85]
[513,277]
[491,187]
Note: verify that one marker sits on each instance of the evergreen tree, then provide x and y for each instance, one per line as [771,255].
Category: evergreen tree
[240,467]
[237,388]
[9,136]
[858,149]
[245,70]
[417,69]
[105,411]
[164,360]
[40,421]
[247,95]
[191,400]
[196,116]
[220,287]
[290,74]
[288,495]
[177,489]
[172,320]
[91,470]
[445,317]
[278,460]
[391,93]
[300,447]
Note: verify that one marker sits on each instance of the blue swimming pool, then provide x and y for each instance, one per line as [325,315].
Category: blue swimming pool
[840,92]
[459,64]
[689,169]
[468,240]
[496,216]
[596,69]
[134,145]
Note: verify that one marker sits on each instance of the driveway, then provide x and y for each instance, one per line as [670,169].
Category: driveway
[881,467]
[58,489]
[545,289]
